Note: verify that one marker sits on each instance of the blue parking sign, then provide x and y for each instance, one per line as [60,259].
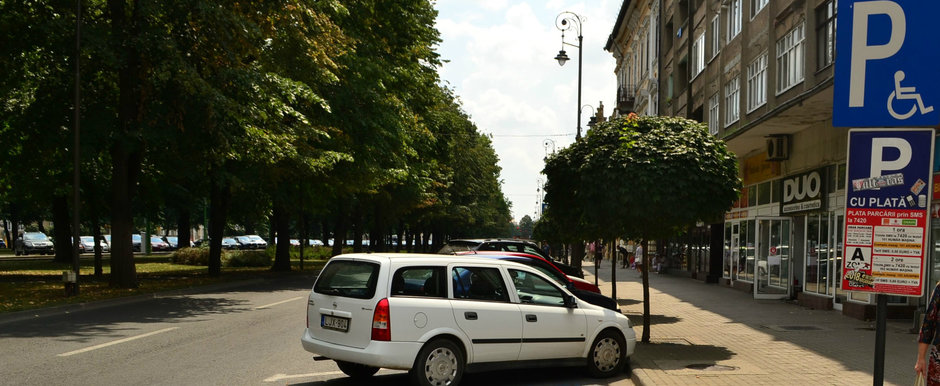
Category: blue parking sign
[885,70]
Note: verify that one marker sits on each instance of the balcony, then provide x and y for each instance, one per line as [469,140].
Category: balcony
[626,98]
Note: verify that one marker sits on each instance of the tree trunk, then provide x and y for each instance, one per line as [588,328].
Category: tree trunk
[325,233]
[577,254]
[357,228]
[339,231]
[184,228]
[646,293]
[63,229]
[282,251]
[96,228]
[612,250]
[126,152]
[218,207]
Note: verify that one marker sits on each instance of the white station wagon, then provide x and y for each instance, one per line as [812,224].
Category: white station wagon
[438,317]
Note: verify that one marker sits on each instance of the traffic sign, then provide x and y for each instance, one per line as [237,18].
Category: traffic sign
[886,219]
[885,71]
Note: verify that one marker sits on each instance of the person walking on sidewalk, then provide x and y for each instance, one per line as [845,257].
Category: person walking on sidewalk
[638,255]
[929,367]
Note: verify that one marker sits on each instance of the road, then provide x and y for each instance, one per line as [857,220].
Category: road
[249,335]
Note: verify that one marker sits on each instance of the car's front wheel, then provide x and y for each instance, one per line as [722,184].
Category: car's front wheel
[607,355]
[356,370]
[439,363]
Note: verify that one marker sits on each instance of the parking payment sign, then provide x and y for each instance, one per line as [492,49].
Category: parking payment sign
[886,210]
[885,72]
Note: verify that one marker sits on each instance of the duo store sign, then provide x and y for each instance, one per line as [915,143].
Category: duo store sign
[889,175]
[804,192]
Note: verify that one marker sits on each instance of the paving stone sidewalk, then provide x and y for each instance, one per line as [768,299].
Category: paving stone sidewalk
[713,335]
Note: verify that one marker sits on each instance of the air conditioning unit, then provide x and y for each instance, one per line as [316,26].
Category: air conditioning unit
[778,147]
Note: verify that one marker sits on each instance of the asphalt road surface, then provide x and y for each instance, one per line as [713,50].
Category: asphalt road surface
[248,335]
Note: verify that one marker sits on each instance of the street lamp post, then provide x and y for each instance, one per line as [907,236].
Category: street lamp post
[565,21]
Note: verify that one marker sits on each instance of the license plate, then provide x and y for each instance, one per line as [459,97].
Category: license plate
[334,323]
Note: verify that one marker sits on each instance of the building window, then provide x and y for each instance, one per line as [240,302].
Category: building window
[732,101]
[698,55]
[757,6]
[713,115]
[716,35]
[757,82]
[734,19]
[790,59]
[826,34]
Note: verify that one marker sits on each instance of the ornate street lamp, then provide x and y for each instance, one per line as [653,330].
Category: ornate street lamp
[565,21]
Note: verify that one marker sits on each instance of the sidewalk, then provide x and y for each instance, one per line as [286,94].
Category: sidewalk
[713,335]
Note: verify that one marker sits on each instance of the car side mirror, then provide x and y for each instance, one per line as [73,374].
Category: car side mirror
[570,302]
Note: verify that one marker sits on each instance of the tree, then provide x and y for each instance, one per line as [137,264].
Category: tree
[645,178]
[525,227]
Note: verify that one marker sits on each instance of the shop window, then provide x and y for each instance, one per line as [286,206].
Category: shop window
[726,264]
[752,195]
[776,190]
[818,254]
[763,193]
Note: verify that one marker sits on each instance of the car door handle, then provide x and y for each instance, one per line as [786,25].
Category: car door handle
[470,315]
[531,318]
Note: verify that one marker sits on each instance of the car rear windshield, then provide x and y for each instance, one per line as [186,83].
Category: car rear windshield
[353,279]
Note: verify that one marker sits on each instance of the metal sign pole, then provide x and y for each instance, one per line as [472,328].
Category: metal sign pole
[880,326]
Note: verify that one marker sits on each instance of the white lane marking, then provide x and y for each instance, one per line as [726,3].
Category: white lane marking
[280,302]
[119,341]
[281,377]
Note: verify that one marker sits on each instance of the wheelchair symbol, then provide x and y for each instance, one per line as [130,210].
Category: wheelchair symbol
[900,93]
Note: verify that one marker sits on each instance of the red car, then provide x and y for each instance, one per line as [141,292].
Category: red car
[542,264]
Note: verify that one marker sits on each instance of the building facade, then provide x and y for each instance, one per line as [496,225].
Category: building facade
[760,74]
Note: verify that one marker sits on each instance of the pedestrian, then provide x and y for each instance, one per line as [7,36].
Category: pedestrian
[929,368]
[638,253]
[590,249]
[598,250]
[624,255]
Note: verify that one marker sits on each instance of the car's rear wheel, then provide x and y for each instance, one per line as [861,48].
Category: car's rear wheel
[439,363]
[356,370]
[607,355]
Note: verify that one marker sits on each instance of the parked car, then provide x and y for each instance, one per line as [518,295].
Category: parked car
[157,244]
[229,243]
[172,241]
[506,245]
[251,242]
[88,244]
[439,317]
[136,239]
[3,244]
[581,288]
[33,242]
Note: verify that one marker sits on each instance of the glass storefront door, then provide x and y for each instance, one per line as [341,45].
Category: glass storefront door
[772,271]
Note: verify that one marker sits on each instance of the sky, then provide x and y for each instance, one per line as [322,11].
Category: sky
[500,62]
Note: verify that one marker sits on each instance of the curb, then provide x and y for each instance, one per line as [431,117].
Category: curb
[38,313]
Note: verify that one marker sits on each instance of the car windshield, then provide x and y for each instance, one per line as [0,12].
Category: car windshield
[88,239]
[156,239]
[228,240]
[255,238]
[35,236]
[243,238]
[136,238]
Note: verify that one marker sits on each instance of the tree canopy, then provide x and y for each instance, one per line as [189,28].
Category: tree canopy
[259,114]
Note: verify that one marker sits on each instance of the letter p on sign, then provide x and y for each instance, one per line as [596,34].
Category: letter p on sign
[862,52]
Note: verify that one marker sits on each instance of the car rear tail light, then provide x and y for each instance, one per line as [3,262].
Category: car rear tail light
[381,325]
